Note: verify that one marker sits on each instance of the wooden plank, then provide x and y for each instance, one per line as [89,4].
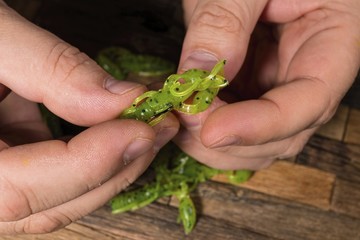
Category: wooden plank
[346,198]
[332,156]
[73,231]
[272,216]
[227,212]
[353,127]
[158,221]
[294,182]
[335,128]
[63,234]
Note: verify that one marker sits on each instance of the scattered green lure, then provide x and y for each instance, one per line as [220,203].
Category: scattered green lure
[177,174]
[119,62]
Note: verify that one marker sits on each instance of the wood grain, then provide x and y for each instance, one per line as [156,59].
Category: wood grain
[332,156]
[159,222]
[293,182]
[273,216]
[336,127]
[346,198]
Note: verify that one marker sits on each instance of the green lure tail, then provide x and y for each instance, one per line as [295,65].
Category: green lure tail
[135,199]
[187,214]
[238,176]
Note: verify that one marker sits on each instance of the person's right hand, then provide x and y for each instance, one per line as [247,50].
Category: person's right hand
[46,184]
[289,64]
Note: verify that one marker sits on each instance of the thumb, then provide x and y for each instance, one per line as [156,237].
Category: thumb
[42,68]
[218,30]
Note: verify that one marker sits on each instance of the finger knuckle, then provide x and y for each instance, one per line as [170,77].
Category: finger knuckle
[294,149]
[327,114]
[10,211]
[295,145]
[65,60]
[219,17]
[13,203]
[44,223]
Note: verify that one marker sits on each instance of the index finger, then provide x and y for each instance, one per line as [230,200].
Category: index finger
[218,30]
[40,67]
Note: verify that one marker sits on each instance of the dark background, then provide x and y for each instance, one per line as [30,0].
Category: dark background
[152,27]
[144,26]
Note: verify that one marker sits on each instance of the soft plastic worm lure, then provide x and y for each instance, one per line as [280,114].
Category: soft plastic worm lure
[199,86]
[177,174]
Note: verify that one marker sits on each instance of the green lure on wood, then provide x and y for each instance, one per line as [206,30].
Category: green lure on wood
[191,92]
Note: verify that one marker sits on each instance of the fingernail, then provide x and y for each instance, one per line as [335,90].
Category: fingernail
[119,86]
[200,60]
[136,148]
[226,141]
[163,137]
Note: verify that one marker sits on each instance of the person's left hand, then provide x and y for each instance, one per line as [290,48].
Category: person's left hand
[47,183]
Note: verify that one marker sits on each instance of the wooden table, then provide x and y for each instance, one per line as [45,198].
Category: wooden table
[315,195]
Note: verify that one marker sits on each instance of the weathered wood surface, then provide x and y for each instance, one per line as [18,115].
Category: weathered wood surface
[315,195]
[346,198]
[332,156]
[314,199]
[294,182]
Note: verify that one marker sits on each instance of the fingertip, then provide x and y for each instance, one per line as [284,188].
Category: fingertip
[221,30]
[136,148]
[114,133]
[87,103]
[120,87]
[199,59]
[205,58]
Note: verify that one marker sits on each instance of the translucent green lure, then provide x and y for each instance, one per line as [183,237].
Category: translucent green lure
[177,174]
[191,92]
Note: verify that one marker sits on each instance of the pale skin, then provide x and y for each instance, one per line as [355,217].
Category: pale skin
[307,56]
[46,184]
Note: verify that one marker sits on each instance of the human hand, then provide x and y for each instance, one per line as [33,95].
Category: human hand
[46,184]
[301,58]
